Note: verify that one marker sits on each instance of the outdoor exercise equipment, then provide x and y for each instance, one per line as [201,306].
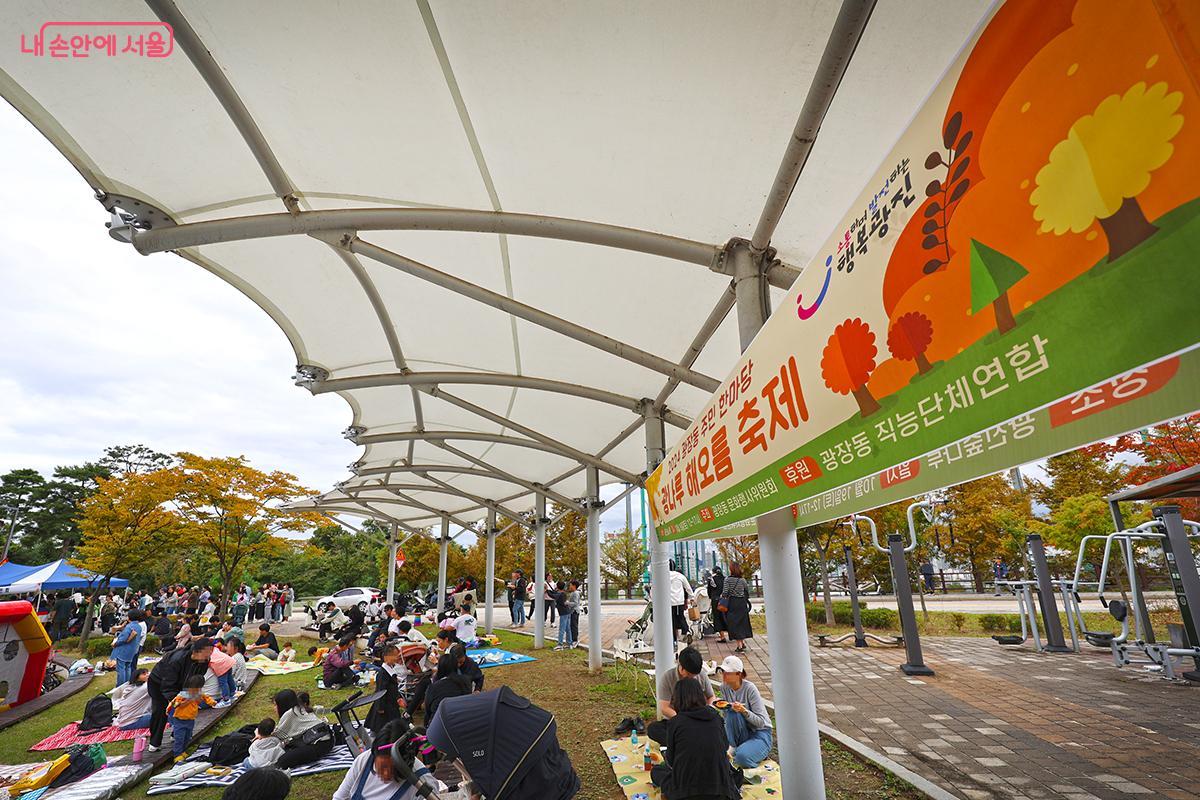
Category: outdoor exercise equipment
[358,735]
[896,549]
[860,636]
[1172,533]
[1045,587]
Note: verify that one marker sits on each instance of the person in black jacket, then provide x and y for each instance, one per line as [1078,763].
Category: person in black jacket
[466,666]
[166,681]
[387,674]
[714,587]
[358,622]
[448,683]
[698,767]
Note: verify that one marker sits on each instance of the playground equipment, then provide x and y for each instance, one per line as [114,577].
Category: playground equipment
[24,653]
[860,637]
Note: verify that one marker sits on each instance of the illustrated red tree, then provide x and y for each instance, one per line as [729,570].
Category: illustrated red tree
[848,361]
[910,337]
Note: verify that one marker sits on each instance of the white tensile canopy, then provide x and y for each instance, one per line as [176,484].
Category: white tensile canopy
[504,233]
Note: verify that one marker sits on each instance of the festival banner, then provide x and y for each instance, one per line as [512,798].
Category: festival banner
[1019,278]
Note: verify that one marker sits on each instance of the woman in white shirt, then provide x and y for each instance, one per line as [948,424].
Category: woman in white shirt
[133,702]
[464,626]
[372,776]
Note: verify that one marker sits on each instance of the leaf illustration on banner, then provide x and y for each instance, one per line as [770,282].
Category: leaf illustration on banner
[848,361]
[948,192]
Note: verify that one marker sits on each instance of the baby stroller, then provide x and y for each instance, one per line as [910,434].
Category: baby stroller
[703,624]
[525,763]
[412,654]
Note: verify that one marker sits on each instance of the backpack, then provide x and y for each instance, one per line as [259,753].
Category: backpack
[97,714]
[82,761]
[231,749]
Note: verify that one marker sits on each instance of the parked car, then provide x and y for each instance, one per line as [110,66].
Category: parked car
[359,596]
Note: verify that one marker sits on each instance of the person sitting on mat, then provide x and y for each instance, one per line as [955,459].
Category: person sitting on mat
[467,666]
[450,682]
[288,653]
[133,702]
[265,750]
[265,645]
[747,723]
[387,680]
[338,671]
[696,761]
[296,717]
[689,665]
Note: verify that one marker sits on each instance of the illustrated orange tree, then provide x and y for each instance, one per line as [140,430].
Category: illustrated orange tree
[1097,172]
[909,338]
[848,361]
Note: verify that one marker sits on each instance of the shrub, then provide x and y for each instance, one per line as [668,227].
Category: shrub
[842,613]
[959,619]
[1014,623]
[99,645]
[884,618]
[68,643]
[993,622]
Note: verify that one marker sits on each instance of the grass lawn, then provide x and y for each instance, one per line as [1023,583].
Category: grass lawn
[587,707]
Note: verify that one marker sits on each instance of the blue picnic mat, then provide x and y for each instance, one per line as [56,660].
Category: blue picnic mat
[495,657]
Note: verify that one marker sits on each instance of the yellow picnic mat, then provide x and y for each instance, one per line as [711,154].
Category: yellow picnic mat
[628,763]
[268,667]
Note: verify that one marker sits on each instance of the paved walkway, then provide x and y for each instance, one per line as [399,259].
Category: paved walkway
[1003,722]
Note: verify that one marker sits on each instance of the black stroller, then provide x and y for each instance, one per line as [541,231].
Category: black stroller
[525,762]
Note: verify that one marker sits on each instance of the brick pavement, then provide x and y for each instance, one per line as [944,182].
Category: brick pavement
[1004,723]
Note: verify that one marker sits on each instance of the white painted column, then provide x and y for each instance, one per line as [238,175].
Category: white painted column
[595,643]
[444,546]
[660,554]
[797,737]
[539,569]
[490,591]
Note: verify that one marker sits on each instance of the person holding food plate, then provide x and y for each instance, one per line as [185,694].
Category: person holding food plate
[747,723]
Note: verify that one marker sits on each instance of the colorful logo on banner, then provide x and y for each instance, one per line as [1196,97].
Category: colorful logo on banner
[1019,278]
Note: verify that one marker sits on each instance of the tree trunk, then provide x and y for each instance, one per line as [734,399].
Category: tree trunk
[1126,229]
[1004,315]
[829,620]
[867,404]
[86,630]
[923,364]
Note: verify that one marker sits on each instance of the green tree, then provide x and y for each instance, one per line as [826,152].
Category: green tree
[1087,470]
[19,490]
[625,560]
[992,275]
[985,518]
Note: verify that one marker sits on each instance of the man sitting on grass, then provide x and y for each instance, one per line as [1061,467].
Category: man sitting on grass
[339,672]
[689,666]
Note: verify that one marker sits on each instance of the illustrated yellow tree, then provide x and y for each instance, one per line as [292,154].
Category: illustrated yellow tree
[625,559]
[233,511]
[1097,172]
[128,522]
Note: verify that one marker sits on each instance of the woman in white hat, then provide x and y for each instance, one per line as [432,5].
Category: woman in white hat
[747,723]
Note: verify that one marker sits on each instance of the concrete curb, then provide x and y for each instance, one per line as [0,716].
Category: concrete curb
[921,784]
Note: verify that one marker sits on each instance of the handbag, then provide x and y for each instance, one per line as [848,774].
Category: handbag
[693,614]
[722,604]
[314,735]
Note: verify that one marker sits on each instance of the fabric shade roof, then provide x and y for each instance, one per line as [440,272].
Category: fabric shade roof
[668,118]
[50,577]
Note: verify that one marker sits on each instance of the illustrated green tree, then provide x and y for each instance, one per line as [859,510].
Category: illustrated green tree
[909,338]
[1097,172]
[624,560]
[992,275]
[848,361]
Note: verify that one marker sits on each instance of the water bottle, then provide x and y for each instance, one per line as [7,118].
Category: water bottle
[646,758]
[633,738]
[139,747]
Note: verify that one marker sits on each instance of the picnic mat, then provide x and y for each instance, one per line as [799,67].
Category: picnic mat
[69,735]
[103,784]
[338,760]
[628,764]
[495,657]
[268,667]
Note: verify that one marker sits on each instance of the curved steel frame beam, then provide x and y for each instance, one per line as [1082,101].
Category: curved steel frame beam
[439,487]
[467,436]
[490,379]
[485,472]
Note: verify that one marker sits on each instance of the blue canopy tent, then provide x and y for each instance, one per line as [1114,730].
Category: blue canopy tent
[56,575]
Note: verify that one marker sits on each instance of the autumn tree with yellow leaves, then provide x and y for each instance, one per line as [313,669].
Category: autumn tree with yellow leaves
[233,511]
[1097,172]
[129,520]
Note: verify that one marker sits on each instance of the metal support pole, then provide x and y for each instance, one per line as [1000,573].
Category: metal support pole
[852,584]
[443,552]
[629,511]
[490,592]
[1055,643]
[539,570]
[393,546]
[660,555]
[1143,626]
[1181,566]
[595,644]
[799,742]
[914,662]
